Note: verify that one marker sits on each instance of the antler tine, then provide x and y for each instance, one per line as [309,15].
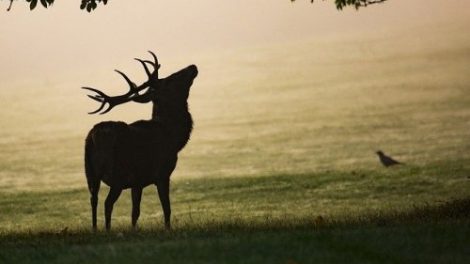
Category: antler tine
[97,110]
[113,101]
[96,91]
[133,93]
[131,84]
[149,74]
[101,97]
[155,64]
[96,98]
[107,110]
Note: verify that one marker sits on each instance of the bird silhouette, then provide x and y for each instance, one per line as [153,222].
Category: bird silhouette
[386,160]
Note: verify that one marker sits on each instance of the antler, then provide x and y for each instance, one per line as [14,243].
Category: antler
[155,64]
[133,93]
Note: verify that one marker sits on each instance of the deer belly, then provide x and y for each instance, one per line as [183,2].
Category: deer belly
[135,166]
[124,177]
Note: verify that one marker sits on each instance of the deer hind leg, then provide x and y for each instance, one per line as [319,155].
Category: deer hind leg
[136,198]
[163,187]
[94,189]
[113,195]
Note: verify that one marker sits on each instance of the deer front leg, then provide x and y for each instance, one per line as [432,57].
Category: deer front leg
[136,198]
[94,189]
[112,197]
[163,187]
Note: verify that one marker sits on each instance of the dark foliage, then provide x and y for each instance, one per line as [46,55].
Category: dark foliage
[340,4]
[87,5]
[90,5]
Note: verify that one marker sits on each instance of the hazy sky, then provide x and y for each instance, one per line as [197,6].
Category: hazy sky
[258,60]
[46,45]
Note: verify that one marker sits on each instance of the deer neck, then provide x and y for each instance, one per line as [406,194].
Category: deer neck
[177,121]
[154,112]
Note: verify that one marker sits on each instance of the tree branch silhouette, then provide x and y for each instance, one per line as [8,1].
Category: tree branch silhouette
[90,5]
[340,4]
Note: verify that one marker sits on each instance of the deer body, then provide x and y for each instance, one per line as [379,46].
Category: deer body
[144,152]
[128,155]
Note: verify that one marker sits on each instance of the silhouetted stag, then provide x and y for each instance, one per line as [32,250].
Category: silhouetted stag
[144,152]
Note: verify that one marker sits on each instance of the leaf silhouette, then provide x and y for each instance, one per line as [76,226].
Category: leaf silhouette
[33,4]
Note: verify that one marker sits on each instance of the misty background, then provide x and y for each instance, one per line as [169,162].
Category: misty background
[281,85]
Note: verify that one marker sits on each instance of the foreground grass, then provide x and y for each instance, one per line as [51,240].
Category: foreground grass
[428,234]
[407,214]
[332,194]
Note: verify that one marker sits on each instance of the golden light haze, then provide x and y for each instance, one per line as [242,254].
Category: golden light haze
[282,87]
[63,41]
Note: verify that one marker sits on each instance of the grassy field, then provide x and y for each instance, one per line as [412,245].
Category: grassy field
[361,217]
[281,165]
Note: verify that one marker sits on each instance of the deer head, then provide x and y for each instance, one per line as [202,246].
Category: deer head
[133,94]
[171,92]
